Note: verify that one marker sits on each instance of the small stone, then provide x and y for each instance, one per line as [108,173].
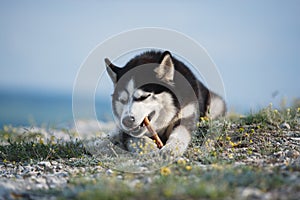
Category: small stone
[40,183]
[18,176]
[62,175]
[59,167]
[54,182]
[293,154]
[254,193]
[285,126]
[147,180]
[9,165]
[54,162]
[109,172]
[82,169]
[45,164]
[134,183]
[120,177]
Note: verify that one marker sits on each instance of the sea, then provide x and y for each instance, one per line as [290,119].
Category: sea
[36,108]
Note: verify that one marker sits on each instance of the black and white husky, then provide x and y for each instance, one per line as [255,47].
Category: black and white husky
[157,85]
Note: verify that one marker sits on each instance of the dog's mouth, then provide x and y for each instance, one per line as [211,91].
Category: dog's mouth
[140,128]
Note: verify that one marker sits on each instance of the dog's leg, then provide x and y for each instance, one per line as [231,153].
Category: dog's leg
[178,141]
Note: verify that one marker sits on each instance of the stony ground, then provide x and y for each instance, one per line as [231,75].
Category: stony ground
[240,157]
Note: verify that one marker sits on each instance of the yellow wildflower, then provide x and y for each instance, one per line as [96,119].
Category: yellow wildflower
[205,118]
[165,171]
[41,141]
[52,139]
[6,136]
[228,138]
[216,166]
[232,144]
[188,168]
[181,161]
[214,153]
[249,151]
[6,128]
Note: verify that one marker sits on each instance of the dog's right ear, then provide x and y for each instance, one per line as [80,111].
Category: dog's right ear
[112,70]
[165,71]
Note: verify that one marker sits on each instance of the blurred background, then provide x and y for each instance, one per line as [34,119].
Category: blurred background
[255,45]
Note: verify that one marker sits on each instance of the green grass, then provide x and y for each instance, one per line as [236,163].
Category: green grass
[224,158]
[32,151]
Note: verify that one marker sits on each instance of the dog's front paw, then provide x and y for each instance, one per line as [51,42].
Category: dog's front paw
[172,150]
[141,145]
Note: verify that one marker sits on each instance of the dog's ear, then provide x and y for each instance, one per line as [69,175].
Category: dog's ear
[112,70]
[165,70]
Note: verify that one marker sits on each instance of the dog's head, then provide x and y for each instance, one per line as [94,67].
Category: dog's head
[142,89]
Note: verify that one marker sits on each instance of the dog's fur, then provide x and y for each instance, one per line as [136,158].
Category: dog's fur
[157,85]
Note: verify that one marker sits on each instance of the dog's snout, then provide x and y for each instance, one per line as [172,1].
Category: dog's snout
[128,121]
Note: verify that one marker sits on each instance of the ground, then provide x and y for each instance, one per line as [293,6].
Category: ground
[239,157]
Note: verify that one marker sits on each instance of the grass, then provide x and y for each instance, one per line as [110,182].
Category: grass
[225,160]
[28,151]
[30,146]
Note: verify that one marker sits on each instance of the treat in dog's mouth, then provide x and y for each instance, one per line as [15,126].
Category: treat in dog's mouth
[149,117]
[140,128]
[153,132]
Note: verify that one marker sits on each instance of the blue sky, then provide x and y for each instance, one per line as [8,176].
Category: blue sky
[255,44]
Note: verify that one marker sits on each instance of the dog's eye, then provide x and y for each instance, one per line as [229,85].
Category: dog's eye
[122,97]
[142,98]
[123,100]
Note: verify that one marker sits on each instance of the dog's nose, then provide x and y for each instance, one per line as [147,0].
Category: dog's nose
[128,121]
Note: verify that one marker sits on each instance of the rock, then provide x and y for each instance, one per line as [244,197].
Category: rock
[62,175]
[254,193]
[45,164]
[293,154]
[55,182]
[134,183]
[120,177]
[109,172]
[285,126]
[40,183]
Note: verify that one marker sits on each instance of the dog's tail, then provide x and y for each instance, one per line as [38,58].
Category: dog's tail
[216,106]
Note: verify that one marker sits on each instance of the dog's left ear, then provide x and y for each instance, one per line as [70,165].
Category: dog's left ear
[165,70]
[112,70]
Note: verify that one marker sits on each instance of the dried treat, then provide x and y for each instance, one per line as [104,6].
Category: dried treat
[154,134]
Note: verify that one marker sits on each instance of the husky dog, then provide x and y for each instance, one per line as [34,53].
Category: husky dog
[156,85]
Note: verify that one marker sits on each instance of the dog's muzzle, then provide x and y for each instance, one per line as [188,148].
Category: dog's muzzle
[133,126]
